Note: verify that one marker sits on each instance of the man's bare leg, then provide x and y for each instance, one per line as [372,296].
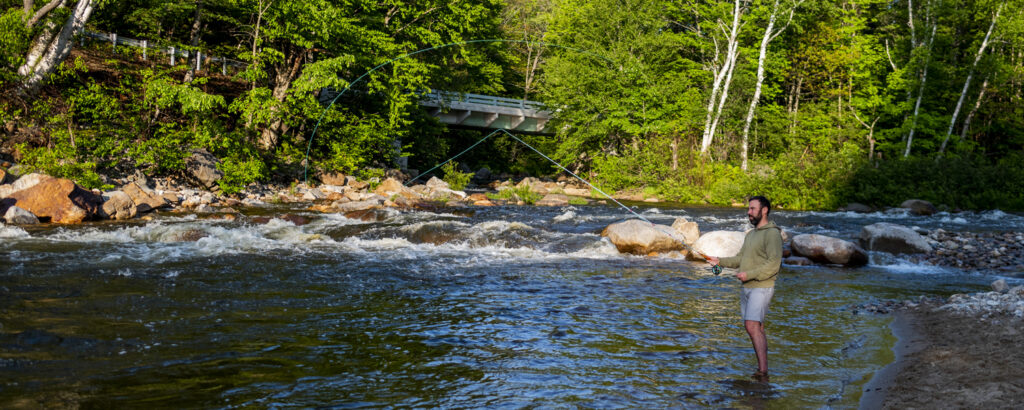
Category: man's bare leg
[760,341]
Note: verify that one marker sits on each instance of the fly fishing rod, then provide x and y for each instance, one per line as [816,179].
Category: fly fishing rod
[715,268]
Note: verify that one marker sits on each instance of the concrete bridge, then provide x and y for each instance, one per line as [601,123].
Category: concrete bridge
[485,111]
[480,111]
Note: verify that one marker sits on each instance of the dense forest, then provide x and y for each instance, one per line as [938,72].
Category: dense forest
[813,103]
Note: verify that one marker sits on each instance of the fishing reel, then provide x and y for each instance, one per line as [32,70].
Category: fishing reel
[716,269]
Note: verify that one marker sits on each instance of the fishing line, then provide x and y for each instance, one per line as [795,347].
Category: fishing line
[716,269]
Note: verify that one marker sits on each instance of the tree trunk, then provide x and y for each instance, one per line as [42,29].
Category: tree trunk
[194,42]
[977,104]
[51,47]
[769,35]
[724,74]
[284,74]
[675,152]
[967,83]
[920,91]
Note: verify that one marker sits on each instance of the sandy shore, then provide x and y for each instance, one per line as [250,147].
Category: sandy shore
[946,359]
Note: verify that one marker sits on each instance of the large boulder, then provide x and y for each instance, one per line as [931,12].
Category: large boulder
[641,238]
[18,216]
[553,200]
[46,197]
[919,207]
[825,249]
[892,238]
[688,229]
[201,167]
[118,205]
[144,198]
[719,244]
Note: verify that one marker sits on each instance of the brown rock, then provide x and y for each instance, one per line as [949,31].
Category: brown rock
[145,199]
[687,229]
[3,176]
[392,186]
[118,205]
[298,220]
[553,200]
[334,178]
[56,199]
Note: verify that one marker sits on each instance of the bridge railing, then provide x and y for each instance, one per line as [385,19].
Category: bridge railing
[448,97]
[172,52]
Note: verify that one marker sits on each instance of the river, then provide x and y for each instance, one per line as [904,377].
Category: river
[494,307]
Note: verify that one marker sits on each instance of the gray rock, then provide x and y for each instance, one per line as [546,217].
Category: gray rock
[919,207]
[1000,286]
[892,238]
[824,249]
[856,207]
[797,261]
[314,194]
[437,183]
[18,216]
[719,244]
[688,229]
[201,167]
[641,238]
[359,205]
[553,200]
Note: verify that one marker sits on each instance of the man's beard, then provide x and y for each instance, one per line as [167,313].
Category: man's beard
[754,220]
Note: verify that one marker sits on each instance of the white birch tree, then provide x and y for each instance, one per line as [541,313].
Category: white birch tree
[770,33]
[967,82]
[723,75]
[53,44]
[924,79]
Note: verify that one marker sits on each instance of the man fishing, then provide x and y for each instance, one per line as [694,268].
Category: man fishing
[758,264]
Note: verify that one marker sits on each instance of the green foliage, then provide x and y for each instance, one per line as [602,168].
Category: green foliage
[14,39]
[60,162]
[966,183]
[578,201]
[457,180]
[519,193]
[239,172]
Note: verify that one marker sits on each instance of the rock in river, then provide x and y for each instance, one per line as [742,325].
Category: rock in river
[56,199]
[892,238]
[641,238]
[824,249]
[719,244]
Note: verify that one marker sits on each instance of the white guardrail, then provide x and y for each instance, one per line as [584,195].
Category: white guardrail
[172,52]
[448,97]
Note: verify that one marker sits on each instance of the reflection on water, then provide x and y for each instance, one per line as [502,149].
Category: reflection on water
[510,306]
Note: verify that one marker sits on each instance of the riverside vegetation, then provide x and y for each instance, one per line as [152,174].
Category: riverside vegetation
[814,104]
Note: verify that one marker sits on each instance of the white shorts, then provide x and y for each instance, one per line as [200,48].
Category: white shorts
[754,303]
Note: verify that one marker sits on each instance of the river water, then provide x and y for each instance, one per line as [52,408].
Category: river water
[495,307]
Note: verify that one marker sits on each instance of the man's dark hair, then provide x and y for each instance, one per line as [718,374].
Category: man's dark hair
[765,203]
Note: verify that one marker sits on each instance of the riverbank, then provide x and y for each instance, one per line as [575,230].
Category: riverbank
[960,354]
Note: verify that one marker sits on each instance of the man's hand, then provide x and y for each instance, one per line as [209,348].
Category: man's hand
[742,276]
[713,260]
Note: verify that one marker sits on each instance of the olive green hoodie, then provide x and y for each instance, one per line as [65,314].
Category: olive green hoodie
[760,257]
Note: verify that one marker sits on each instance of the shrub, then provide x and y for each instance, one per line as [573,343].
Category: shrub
[457,180]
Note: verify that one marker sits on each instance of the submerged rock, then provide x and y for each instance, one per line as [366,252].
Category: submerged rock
[641,238]
[919,207]
[824,249]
